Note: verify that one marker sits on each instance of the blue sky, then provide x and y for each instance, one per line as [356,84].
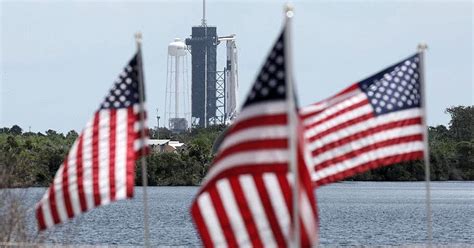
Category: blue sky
[58,58]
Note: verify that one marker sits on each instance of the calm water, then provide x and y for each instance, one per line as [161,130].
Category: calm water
[362,213]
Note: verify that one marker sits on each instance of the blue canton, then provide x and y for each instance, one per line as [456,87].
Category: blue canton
[270,83]
[125,91]
[395,88]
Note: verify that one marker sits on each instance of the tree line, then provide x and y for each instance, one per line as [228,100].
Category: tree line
[32,159]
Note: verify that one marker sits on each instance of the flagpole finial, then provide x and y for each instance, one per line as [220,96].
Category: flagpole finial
[289,10]
[422,46]
[138,37]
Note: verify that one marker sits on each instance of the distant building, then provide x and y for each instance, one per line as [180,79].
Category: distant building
[164,145]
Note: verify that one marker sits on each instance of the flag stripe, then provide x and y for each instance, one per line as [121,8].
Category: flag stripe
[223,217]
[95,159]
[256,209]
[80,174]
[352,130]
[258,121]
[104,156]
[131,138]
[253,145]
[254,133]
[112,154]
[201,226]
[372,156]
[339,147]
[269,211]
[319,181]
[211,220]
[65,185]
[391,129]
[278,203]
[233,213]
[87,165]
[245,212]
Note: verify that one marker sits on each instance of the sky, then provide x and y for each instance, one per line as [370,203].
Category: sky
[59,58]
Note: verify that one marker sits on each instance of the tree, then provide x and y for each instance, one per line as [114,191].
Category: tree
[16,130]
[461,125]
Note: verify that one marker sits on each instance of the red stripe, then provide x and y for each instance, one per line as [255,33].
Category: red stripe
[52,204]
[130,152]
[287,193]
[367,132]
[269,211]
[353,87]
[370,165]
[253,145]
[112,147]
[341,126]
[347,90]
[358,152]
[222,217]
[246,169]
[65,186]
[200,224]
[95,159]
[40,217]
[245,212]
[338,113]
[80,174]
[266,120]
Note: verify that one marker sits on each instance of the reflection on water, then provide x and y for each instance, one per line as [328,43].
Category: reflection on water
[360,213]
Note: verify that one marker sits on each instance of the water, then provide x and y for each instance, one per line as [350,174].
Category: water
[360,213]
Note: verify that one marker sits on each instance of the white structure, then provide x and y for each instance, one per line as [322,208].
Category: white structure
[177,99]
[232,78]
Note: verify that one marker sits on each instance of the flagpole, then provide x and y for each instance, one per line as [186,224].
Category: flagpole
[426,153]
[292,139]
[138,39]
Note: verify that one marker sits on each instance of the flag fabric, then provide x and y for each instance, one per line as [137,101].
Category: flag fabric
[373,123]
[100,166]
[246,197]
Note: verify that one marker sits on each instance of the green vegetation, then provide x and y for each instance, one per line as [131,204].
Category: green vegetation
[31,159]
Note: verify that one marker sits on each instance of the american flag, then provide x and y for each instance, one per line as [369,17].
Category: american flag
[100,166]
[373,123]
[246,197]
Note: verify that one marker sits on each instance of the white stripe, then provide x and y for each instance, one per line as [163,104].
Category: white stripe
[367,157]
[72,178]
[261,109]
[104,135]
[87,164]
[334,109]
[139,143]
[255,133]
[278,203]
[137,107]
[58,194]
[233,213]
[357,112]
[256,208]
[307,215]
[121,154]
[245,158]
[211,220]
[324,104]
[366,141]
[45,207]
[362,126]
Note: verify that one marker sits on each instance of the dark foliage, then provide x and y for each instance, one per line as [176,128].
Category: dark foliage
[33,158]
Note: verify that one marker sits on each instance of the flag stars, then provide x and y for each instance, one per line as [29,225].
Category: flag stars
[124,92]
[396,88]
[270,83]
